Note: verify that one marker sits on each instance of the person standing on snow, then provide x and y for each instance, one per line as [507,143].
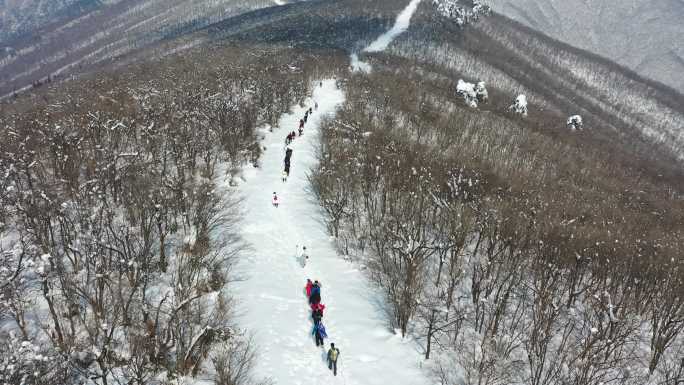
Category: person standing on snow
[301,124]
[309,285]
[318,307]
[275,200]
[288,155]
[310,111]
[333,355]
[317,312]
[315,296]
[304,257]
[319,333]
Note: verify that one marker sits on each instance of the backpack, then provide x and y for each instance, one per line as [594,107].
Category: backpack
[317,314]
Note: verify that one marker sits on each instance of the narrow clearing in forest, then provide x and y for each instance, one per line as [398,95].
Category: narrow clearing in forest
[271,297]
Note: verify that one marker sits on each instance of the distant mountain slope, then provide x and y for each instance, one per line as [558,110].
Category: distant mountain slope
[23,16]
[64,35]
[626,112]
[643,35]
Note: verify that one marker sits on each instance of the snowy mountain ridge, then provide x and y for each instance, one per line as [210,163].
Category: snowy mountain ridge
[466,206]
[642,35]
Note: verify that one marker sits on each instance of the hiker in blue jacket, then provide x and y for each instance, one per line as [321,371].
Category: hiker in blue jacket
[315,296]
[319,333]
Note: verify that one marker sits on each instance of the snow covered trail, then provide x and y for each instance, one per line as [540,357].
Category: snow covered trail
[400,25]
[271,295]
[380,44]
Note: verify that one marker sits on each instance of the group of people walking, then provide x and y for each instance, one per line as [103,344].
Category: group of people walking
[313,292]
[291,136]
[313,289]
[288,151]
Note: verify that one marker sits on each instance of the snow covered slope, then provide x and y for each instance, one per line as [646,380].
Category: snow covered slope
[644,35]
[402,23]
[272,292]
[380,44]
[91,32]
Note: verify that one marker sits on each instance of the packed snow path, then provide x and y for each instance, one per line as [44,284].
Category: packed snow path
[271,297]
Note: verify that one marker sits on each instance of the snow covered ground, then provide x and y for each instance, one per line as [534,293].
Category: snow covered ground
[271,295]
[380,44]
[401,25]
[359,65]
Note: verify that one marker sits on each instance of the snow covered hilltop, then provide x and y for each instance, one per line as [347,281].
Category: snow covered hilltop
[486,205]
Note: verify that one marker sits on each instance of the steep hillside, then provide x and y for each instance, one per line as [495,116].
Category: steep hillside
[18,17]
[642,35]
[93,32]
[558,79]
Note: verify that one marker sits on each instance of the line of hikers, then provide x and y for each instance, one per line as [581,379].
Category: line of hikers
[313,289]
[313,292]
[288,139]
[292,135]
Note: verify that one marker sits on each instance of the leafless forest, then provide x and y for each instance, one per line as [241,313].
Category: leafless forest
[101,32]
[125,246]
[529,259]
[515,250]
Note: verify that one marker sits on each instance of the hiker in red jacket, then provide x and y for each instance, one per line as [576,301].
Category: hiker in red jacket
[317,313]
[318,307]
[309,285]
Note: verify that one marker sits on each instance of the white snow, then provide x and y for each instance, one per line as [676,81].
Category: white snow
[467,90]
[380,44]
[472,93]
[401,25]
[520,105]
[359,65]
[271,285]
[574,122]
[521,100]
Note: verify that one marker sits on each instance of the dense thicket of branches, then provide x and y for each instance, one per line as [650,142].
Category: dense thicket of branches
[123,243]
[520,256]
